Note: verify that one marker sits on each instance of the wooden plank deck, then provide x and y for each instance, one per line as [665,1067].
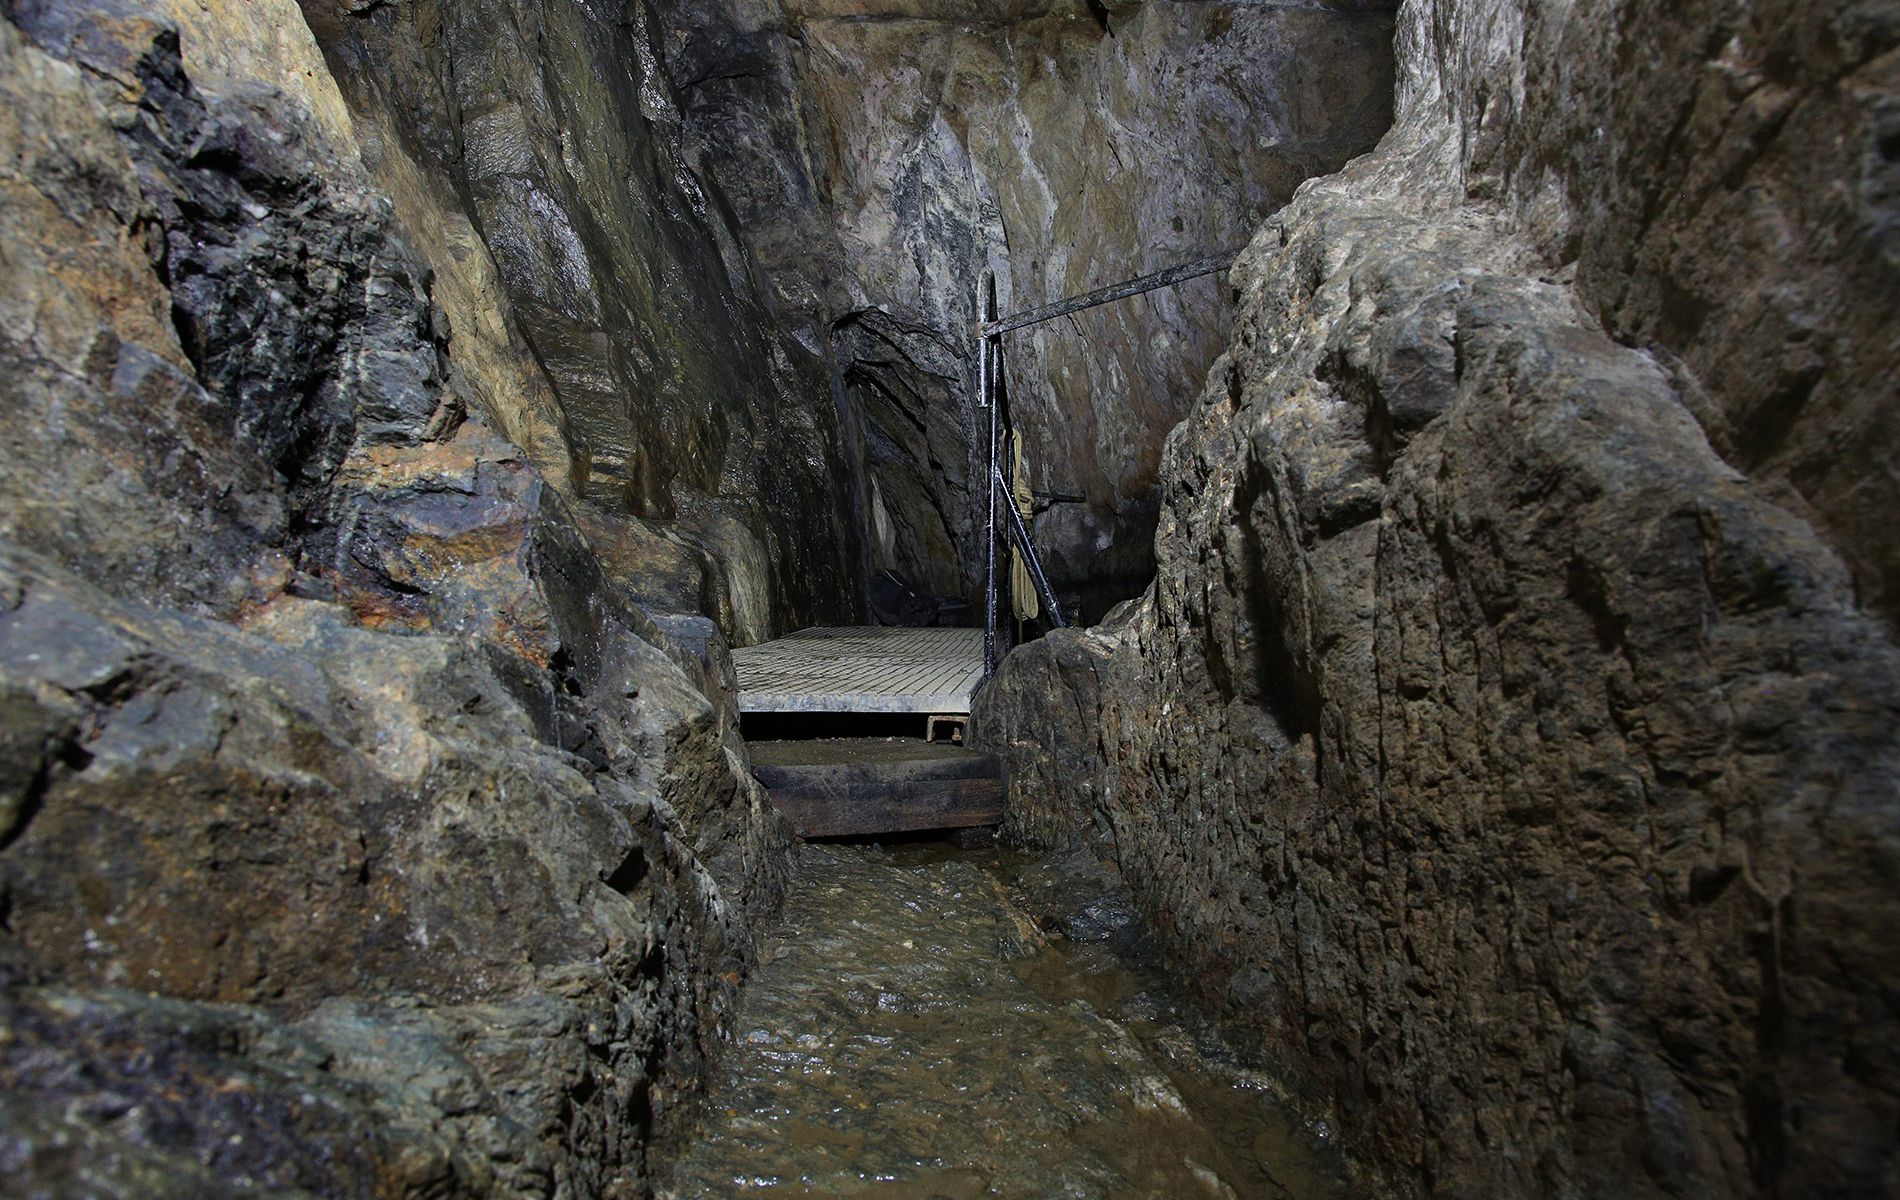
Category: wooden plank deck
[862,669]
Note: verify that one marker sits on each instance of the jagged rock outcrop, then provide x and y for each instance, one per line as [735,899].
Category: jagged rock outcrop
[882,154]
[1508,740]
[358,835]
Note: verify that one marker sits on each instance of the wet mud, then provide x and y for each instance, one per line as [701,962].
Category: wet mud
[933,1023]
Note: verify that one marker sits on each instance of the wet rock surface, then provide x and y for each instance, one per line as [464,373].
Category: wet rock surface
[358,835]
[881,155]
[1506,744]
[1506,750]
[925,1023]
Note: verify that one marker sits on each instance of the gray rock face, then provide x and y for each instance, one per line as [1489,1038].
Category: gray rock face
[1509,737]
[358,835]
[706,438]
[1758,147]
[881,155]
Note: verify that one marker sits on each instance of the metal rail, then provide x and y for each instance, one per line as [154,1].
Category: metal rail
[989,373]
[987,364]
[991,326]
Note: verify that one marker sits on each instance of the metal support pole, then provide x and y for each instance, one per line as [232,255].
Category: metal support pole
[987,365]
[989,383]
[1028,550]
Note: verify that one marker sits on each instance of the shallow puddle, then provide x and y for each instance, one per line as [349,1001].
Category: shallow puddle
[926,1023]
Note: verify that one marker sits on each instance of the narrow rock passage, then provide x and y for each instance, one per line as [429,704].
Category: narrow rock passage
[913,1031]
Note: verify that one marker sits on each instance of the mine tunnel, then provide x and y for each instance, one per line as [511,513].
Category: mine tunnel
[1107,599]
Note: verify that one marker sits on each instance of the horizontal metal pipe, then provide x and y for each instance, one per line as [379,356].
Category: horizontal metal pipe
[1108,295]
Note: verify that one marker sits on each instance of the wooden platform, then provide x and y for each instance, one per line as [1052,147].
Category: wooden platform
[862,669]
[834,787]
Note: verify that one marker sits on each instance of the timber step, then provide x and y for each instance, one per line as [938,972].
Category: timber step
[837,787]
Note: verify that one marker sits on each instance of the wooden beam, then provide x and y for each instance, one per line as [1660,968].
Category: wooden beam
[890,808]
[839,787]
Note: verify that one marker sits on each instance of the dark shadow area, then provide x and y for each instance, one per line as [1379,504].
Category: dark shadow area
[797,727]
[946,839]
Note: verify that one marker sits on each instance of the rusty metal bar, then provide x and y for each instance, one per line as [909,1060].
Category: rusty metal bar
[991,326]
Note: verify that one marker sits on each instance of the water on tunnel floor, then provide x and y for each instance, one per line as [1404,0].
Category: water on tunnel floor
[930,1023]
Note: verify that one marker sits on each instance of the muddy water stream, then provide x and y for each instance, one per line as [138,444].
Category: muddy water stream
[928,1023]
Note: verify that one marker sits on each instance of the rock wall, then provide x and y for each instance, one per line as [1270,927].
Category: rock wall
[883,154]
[1508,741]
[535,151]
[359,836]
